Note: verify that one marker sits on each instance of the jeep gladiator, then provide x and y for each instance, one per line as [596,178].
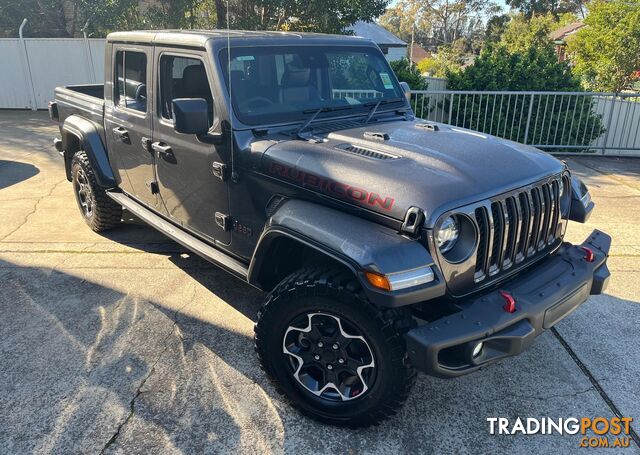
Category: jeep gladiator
[385,244]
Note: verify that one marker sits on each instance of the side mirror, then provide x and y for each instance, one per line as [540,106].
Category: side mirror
[190,115]
[581,203]
[406,89]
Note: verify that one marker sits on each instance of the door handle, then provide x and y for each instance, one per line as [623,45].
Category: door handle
[121,133]
[161,148]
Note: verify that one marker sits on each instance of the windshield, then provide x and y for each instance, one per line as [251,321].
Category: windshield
[280,84]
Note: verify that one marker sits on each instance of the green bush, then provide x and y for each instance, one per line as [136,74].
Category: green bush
[409,74]
[563,120]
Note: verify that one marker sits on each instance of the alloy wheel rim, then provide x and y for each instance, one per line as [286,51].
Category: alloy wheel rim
[329,357]
[84,193]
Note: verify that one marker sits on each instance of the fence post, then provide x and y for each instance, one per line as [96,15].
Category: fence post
[88,55]
[27,67]
[450,109]
[606,132]
[526,129]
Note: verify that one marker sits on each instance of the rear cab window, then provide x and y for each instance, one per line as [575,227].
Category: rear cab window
[131,80]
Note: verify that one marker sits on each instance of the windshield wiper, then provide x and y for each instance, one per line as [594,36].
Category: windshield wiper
[316,112]
[377,105]
[373,111]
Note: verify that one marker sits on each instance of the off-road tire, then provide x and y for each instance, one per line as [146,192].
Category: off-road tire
[104,213]
[337,292]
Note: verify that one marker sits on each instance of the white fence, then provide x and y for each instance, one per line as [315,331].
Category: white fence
[436,83]
[32,67]
[561,122]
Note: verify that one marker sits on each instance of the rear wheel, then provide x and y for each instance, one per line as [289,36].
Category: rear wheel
[99,211]
[335,356]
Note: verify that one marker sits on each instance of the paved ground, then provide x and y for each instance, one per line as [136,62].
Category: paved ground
[125,343]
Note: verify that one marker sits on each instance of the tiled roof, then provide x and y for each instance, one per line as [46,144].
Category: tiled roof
[562,32]
[376,33]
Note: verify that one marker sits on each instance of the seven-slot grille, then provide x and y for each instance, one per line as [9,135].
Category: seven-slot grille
[517,227]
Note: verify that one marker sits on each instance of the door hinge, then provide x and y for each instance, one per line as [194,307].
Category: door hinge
[220,170]
[153,187]
[223,221]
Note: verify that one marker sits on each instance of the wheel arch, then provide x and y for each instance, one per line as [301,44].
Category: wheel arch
[79,133]
[281,252]
[300,232]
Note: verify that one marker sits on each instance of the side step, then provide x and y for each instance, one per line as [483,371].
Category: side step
[182,237]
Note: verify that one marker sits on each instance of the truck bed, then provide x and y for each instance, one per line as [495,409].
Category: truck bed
[86,100]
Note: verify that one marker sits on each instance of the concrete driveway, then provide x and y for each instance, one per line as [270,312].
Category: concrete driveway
[124,342]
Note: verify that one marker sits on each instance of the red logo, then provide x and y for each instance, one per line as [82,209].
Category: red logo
[332,187]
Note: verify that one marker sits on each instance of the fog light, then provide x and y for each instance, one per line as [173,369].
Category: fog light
[477,349]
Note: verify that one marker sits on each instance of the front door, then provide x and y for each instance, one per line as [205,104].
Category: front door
[190,191]
[128,122]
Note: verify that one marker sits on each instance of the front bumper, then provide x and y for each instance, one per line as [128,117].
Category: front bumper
[544,293]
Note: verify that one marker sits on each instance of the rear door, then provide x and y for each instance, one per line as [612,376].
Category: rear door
[128,121]
[191,192]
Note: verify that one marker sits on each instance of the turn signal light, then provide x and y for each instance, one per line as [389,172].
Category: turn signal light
[589,256]
[510,302]
[378,281]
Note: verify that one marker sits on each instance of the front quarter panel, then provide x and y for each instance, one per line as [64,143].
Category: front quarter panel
[358,244]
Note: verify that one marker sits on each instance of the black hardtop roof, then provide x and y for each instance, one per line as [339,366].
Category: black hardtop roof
[199,38]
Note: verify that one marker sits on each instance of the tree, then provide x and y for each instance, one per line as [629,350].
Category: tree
[534,69]
[521,33]
[329,16]
[67,17]
[496,26]
[532,8]
[438,22]
[606,53]
[448,60]
[409,74]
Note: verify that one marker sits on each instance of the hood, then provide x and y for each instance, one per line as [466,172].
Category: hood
[408,166]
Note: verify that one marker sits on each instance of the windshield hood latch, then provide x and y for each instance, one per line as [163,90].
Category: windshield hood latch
[413,220]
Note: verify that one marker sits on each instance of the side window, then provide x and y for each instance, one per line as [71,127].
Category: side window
[183,77]
[131,80]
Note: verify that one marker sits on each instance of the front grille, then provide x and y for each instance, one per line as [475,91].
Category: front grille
[516,227]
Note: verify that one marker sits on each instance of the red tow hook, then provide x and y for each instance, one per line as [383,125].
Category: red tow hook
[589,256]
[510,302]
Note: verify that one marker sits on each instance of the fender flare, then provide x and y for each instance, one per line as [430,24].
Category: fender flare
[88,136]
[358,244]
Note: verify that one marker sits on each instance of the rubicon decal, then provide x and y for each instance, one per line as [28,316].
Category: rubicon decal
[332,187]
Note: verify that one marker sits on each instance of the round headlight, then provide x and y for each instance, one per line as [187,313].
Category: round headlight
[447,234]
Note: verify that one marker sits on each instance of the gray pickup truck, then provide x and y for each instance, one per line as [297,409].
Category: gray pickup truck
[385,245]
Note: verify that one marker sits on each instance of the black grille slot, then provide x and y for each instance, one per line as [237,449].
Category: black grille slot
[483,245]
[498,232]
[516,227]
[511,222]
[377,155]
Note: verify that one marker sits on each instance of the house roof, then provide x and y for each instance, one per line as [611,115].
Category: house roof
[418,53]
[376,33]
[563,32]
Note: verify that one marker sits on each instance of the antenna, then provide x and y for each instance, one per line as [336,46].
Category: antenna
[230,107]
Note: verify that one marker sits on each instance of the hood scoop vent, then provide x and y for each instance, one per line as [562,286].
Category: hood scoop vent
[373,154]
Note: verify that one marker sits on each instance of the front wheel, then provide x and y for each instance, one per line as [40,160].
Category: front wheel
[333,354]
